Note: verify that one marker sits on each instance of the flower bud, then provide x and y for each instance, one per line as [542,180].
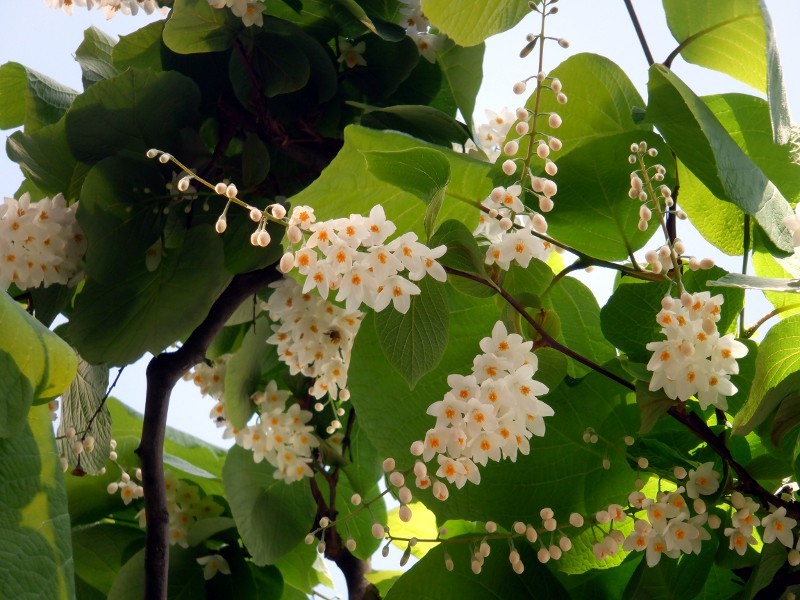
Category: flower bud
[549,188]
[543,555]
[396,478]
[706,263]
[563,43]
[263,238]
[164,158]
[231,191]
[255,214]
[378,531]
[77,447]
[555,144]
[404,495]
[511,148]
[350,544]
[542,150]
[278,211]
[293,234]
[714,521]
[417,448]
[509,167]
[561,98]
[183,183]
[554,121]
[221,188]
[576,519]
[550,168]
[287,262]
[388,465]
[643,462]
[520,87]
[545,204]
[152,153]
[404,512]
[491,527]
[522,113]
[522,127]
[324,522]
[531,534]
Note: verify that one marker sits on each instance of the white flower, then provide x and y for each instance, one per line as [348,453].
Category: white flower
[704,480]
[778,526]
[212,564]
[351,55]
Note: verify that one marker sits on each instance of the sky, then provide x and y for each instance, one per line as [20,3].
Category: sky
[45,39]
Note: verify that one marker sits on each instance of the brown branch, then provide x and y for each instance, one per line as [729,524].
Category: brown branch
[163,373]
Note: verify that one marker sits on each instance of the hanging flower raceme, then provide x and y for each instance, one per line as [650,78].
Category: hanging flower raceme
[313,337]
[418,29]
[694,360]
[507,244]
[281,436]
[487,415]
[111,7]
[492,135]
[41,243]
[350,255]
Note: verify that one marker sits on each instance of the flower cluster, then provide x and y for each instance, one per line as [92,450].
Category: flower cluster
[333,257]
[488,415]
[41,243]
[111,7]
[251,12]
[492,135]
[507,244]
[281,436]
[185,506]
[418,28]
[313,337]
[213,564]
[694,359]
[210,377]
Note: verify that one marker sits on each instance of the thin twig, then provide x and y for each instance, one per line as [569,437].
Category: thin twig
[100,406]
[639,33]
[748,333]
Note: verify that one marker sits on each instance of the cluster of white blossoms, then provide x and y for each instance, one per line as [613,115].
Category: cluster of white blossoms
[694,360]
[213,564]
[251,12]
[313,337]
[210,377]
[350,255]
[488,415]
[671,525]
[492,135]
[185,506]
[418,28]
[41,243]
[111,7]
[506,243]
[281,435]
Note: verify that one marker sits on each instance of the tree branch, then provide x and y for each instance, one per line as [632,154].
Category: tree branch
[639,33]
[163,373]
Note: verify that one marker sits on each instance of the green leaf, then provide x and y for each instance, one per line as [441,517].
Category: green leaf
[385,30]
[601,101]
[143,311]
[577,308]
[16,397]
[463,254]
[255,160]
[470,22]
[185,576]
[424,122]
[347,186]
[207,528]
[429,579]
[43,358]
[303,569]
[421,171]
[736,38]
[747,120]
[749,282]
[36,555]
[142,48]
[606,226]
[272,517]
[359,522]
[415,341]
[94,57]
[194,26]
[652,406]
[46,159]
[136,110]
[628,319]
[778,358]
[100,551]
[389,64]
[786,419]
[703,145]
[244,372]
[463,70]
[766,265]
[30,98]
[80,405]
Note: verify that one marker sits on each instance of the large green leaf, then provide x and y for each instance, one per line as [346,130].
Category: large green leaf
[601,102]
[80,405]
[766,265]
[735,37]
[463,70]
[185,576]
[272,517]
[424,122]
[195,26]
[579,314]
[101,550]
[136,110]
[628,319]
[142,48]
[46,159]
[43,358]
[703,145]
[144,311]
[16,397]
[244,372]
[346,186]
[428,579]
[415,341]
[470,22]
[778,357]
[36,555]
[94,57]
[422,171]
[30,98]
[593,212]
[746,119]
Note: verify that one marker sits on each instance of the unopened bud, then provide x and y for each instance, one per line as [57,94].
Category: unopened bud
[519,87]
[509,167]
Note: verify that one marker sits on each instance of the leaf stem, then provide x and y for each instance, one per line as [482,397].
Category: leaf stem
[748,333]
[639,33]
